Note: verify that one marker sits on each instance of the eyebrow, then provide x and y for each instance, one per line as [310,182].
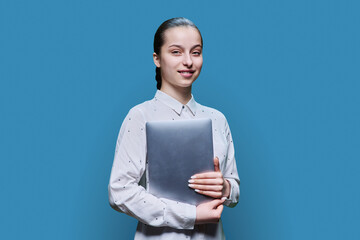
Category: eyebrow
[179,46]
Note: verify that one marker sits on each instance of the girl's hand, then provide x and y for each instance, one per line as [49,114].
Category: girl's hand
[212,184]
[209,212]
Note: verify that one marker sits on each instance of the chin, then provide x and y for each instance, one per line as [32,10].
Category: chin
[186,84]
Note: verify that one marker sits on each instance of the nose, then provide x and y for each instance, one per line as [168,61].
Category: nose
[187,61]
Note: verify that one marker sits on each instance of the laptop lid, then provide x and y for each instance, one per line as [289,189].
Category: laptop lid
[176,150]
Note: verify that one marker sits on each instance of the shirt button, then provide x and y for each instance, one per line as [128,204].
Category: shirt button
[183,107]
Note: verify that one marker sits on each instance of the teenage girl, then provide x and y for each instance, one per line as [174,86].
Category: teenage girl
[178,46]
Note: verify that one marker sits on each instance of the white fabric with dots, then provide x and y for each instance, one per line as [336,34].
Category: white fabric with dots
[163,218]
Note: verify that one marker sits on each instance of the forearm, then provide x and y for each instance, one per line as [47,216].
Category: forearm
[133,200]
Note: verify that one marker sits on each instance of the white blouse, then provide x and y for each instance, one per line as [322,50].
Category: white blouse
[161,218]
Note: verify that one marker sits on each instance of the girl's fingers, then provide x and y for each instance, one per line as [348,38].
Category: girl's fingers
[220,209]
[209,184]
[210,181]
[216,164]
[215,188]
[217,203]
[207,175]
[210,193]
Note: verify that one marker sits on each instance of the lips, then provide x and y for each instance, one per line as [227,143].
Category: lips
[186,73]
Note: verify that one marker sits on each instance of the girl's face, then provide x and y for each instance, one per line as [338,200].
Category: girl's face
[180,58]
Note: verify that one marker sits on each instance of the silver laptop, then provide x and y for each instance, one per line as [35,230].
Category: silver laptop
[176,150]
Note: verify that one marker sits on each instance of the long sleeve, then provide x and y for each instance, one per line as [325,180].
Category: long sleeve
[128,195]
[230,173]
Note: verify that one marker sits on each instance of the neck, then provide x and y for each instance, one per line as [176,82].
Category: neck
[183,95]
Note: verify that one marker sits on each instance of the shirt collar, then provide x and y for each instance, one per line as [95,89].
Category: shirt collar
[175,104]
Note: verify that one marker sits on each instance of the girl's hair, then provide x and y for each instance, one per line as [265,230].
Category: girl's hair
[159,38]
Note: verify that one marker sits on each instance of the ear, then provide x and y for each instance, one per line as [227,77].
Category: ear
[156,59]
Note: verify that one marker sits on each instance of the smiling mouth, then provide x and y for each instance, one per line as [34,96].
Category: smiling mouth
[186,73]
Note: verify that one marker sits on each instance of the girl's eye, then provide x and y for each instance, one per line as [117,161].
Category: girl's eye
[176,52]
[196,53]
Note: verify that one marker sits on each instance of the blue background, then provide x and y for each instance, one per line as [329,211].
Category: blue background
[285,73]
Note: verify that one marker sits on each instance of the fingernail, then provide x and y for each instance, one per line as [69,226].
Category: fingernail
[223,198]
[197,190]
[193,176]
[191,181]
[191,185]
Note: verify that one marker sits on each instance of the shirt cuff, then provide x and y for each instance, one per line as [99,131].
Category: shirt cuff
[179,215]
[232,200]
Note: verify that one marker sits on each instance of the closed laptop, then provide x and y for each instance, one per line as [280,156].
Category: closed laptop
[176,150]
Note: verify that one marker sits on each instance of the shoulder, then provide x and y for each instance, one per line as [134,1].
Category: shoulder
[139,109]
[218,118]
[211,112]
[135,116]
